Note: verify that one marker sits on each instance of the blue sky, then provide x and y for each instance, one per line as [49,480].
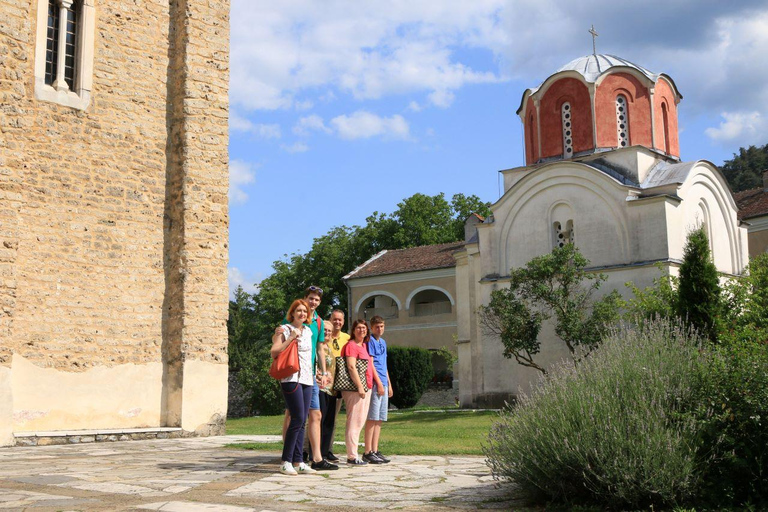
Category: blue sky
[342,108]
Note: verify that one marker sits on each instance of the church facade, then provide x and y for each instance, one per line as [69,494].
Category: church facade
[113,216]
[603,172]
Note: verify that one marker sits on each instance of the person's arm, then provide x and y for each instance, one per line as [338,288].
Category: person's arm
[376,379]
[352,368]
[321,359]
[391,391]
[280,342]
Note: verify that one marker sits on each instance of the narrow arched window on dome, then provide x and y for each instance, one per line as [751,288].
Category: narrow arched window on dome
[665,121]
[530,138]
[622,121]
[565,114]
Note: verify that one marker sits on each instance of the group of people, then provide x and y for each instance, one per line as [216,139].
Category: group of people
[310,397]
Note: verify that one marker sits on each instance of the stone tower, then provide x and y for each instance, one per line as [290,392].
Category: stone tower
[113,215]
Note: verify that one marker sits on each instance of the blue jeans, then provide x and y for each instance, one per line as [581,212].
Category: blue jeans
[297,397]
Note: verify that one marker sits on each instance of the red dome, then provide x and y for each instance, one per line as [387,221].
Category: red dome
[599,103]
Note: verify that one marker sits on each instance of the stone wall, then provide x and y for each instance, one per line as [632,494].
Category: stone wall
[113,224]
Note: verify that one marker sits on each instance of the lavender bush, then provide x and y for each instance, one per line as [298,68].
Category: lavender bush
[611,432]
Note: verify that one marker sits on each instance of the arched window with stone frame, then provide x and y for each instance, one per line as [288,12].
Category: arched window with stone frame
[64,52]
[622,121]
[562,234]
[566,118]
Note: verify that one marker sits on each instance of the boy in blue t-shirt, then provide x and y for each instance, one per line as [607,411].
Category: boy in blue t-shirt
[382,392]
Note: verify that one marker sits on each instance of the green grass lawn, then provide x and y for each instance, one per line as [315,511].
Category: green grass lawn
[406,433]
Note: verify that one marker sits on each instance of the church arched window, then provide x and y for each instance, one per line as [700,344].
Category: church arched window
[530,138]
[562,234]
[64,52]
[622,121]
[565,114]
[665,124]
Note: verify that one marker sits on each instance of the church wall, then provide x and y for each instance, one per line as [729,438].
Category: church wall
[639,105]
[595,205]
[706,200]
[664,93]
[575,92]
[504,378]
[84,193]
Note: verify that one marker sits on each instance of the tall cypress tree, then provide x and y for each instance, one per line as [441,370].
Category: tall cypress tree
[698,292]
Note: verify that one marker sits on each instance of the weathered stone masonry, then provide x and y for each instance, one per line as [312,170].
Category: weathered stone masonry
[113,225]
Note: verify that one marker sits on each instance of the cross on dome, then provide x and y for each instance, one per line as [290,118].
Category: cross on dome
[594,36]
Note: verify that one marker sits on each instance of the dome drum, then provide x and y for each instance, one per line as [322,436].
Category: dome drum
[598,103]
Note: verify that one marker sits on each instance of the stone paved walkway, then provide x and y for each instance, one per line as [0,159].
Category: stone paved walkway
[199,474]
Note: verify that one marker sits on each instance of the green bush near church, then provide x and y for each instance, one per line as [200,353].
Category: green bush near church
[410,369]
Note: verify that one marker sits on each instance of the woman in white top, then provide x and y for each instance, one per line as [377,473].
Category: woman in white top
[297,388]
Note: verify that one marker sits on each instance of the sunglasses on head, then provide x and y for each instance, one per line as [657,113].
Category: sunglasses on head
[315,289]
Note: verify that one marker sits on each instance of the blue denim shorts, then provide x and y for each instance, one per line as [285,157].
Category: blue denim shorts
[379,405]
[314,402]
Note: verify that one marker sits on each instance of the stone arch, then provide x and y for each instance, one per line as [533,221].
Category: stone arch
[428,287]
[375,293]
[429,300]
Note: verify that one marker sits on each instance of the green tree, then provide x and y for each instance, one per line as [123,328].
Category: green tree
[553,285]
[745,312]
[744,171]
[698,292]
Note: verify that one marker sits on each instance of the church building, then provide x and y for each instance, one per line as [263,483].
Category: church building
[113,219]
[603,171]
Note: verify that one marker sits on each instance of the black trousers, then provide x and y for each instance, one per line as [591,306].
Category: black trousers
[328,411]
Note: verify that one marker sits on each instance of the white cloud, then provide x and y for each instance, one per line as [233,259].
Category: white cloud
[308,124]
[441,98]
[415,107]
[236,277]
[363,125]
[743,128]
[368,49]
[296,147]
[303,105]
[238,123]
[241,173]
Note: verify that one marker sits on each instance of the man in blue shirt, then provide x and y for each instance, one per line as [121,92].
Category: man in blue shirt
[377,413]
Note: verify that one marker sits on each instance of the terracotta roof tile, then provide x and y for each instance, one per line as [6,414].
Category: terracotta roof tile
[426,257]
[752,203]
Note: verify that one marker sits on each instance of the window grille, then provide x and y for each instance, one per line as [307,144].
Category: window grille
[52,43]
[622,121]
[562,235]
[565,113]
[64,42]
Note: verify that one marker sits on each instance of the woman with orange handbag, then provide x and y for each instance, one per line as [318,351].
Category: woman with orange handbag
[297,387]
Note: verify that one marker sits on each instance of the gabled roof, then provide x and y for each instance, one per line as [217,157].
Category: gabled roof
[752,203]
[426,257]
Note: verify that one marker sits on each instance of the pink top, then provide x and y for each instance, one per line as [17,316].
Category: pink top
[352,349]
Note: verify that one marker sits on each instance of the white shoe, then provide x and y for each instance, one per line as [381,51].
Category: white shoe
[305,470]
[287,469]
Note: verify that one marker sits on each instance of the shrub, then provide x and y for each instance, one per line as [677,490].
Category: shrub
[266,397]
[734,415]
[410,369]
[698,292]
[611,433]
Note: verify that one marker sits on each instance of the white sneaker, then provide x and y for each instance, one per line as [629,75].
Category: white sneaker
[305,470]
[287,469]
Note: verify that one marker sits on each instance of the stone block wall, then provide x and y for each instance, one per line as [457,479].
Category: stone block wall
[113,225]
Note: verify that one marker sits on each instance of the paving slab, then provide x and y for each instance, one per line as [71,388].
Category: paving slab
[202,474]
